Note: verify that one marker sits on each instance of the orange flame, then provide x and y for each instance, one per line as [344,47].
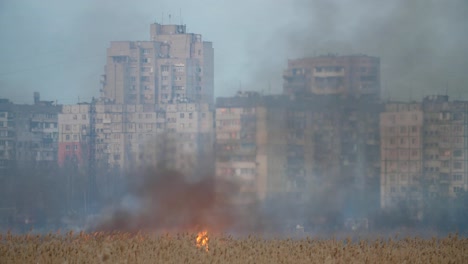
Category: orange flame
[202,240]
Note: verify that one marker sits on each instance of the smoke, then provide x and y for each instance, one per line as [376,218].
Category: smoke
[420,43]
[163,199]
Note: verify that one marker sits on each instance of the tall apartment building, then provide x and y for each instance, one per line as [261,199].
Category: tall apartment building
[28,141]
[424,150]
[126,136]
[173,67]
[445,140]
[352,75]
[186,143]
[236,145]
[7,138]
[74,123]
[401,131]
[300,146]
[28,133]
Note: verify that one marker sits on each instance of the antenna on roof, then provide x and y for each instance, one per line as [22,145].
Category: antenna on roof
[169,19]
[180,16]
[162,22]
[446,88]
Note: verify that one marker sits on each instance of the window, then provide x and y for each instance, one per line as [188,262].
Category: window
[414,129]
[457,165]
[164,68]
[457,153]
[182,115]
[457,189]
[83,117]
[457,177]
[402,129]
[67,137]
[67,147]
[190,115]
[75,147]
[75,137]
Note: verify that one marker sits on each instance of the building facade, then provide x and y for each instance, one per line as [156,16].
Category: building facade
[173,67]
[423,151]
[125,136]
[351,75]
[293,148]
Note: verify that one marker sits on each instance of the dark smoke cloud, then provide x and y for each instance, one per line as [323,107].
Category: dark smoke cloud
[164,200]
[421,43]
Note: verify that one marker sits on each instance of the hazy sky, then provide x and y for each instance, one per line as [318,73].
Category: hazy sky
[58,47]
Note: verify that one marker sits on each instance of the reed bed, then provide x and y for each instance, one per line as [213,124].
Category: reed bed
[182,248]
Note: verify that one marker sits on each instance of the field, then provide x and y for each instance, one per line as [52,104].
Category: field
[205,248]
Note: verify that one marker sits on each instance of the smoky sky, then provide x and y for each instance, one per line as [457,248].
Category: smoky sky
[61,46]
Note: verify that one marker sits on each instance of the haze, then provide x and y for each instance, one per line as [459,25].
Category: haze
[59,48]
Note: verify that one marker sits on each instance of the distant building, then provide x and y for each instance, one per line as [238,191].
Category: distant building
[74,124]
[28,133]
[173,67]
[7,138]
[126,136]
[28,140]
[275,146]
[401,147]
[352,75]
[237,146]
[424,151]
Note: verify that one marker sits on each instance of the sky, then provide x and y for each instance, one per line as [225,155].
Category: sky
[58,47]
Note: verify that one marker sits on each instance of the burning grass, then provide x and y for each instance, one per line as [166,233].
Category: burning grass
[193,248]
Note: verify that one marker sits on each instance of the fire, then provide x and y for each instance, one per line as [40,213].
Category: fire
[202,239]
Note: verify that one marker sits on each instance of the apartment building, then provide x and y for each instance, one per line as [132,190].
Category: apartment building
[28,133]
[125,136]
[186,143]
[301,146]
[424,151]
[236,145]
[401,146]
[444,146]
[74,128]
[351,75]
[7,138]
[28,140]
[173,67]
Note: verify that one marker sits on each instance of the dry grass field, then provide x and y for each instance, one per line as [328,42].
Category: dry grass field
[206,248]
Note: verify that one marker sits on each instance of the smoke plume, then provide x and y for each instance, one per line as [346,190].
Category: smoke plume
[165,200]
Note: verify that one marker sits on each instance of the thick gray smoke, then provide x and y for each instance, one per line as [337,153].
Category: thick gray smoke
[165,200]
[420,43]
